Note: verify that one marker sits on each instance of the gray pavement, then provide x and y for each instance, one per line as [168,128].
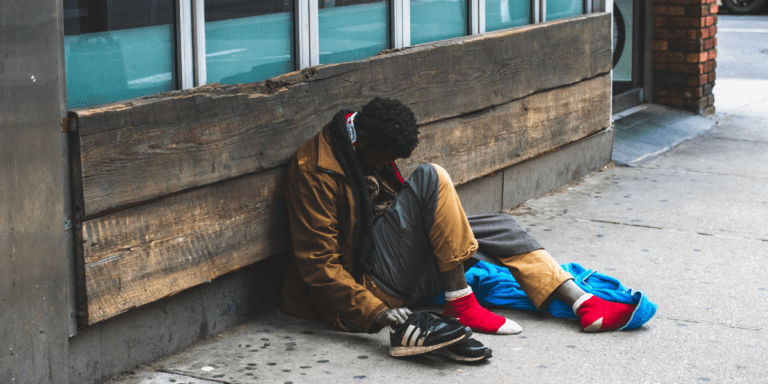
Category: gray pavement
[648,130]
[688,228]
[742,47]
[687,225]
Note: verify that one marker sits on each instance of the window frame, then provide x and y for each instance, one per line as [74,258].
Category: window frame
[190,32]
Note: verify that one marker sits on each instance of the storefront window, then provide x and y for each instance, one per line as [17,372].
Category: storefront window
[433,20]
[560,9]
[623,18]
[122,49]
[117,50]
[503,14]
[352,29]
[248,40]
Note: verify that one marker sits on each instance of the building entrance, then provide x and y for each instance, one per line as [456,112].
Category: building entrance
[631,53]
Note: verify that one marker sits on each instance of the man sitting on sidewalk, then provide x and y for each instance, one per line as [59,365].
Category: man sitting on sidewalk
[367,244]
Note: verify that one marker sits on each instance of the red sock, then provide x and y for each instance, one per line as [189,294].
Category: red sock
[600,315]
[469,313]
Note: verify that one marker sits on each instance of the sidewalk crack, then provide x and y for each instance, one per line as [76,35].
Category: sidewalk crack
[553,217]
[627,224]
[194,376]
[740,140]
[645,166]
[712,323]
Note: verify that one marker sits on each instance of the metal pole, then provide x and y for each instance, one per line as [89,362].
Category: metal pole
[301,10]
[314,34]
[481,16]
[198,41]
[396,20]
[474,19]
[536,11]
[184,50]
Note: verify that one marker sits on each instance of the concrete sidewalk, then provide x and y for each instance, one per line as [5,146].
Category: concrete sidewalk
[688,226]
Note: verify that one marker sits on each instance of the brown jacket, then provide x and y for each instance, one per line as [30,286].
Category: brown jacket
[319,284]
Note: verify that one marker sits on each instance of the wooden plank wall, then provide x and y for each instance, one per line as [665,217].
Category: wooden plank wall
[180,188]
[477,144]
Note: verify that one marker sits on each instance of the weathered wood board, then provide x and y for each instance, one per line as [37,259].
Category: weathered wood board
[139,255]
[144,253]
[149,148]
[477,144]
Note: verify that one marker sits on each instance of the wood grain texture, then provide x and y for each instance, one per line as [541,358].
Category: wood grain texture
[475,145]
[152,147]
[139,255]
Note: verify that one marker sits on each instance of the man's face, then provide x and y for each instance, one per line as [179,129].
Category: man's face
[377,158]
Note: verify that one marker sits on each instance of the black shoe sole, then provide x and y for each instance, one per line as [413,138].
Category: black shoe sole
[420,350]
[487,354]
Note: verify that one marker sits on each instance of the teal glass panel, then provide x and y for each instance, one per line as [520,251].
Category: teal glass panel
[352,29]
[560,9]
[433,20]
[117,50]
[247,40]
[623,69]
[503,14]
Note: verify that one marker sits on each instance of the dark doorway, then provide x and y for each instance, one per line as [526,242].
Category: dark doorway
[631,57]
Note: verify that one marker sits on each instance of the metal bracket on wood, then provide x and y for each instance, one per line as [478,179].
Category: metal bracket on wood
[67,124]
[71,222]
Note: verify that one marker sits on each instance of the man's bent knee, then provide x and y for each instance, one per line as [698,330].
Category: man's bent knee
[430,171]
[425,170]
[443,176]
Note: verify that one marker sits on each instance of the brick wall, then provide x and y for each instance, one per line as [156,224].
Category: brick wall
[684,54]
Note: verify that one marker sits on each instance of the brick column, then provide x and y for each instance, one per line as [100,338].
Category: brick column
[684,54]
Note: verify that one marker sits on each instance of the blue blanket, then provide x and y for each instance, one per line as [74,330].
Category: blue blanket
[494,286]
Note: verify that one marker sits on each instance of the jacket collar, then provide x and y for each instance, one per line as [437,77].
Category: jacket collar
[325,157]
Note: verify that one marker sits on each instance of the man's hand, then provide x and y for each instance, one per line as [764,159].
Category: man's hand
[392,316]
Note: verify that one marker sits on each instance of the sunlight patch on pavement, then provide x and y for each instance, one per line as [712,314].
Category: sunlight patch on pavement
[742,30]
[741,96]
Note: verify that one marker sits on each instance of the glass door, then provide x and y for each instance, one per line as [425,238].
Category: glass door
[628,53]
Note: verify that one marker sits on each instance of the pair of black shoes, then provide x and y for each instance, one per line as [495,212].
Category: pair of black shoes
[426,332]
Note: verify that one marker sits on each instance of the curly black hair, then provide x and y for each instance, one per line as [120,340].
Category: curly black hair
[389,124]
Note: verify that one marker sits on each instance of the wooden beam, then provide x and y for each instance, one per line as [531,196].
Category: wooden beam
[153,147]
[139,255]
[475,145]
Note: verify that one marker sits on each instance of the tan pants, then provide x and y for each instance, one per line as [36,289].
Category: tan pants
[537,273]
[452,241]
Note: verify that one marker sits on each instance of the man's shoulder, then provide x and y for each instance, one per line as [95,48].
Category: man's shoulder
[308,169]
[306,156]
